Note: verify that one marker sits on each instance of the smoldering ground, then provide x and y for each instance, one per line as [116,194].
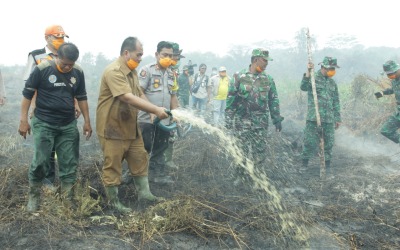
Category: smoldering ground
[356,207]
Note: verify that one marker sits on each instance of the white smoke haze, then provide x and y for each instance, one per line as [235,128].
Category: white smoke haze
[365,146]
[191,26]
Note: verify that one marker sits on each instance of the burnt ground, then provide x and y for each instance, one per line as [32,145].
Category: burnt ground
[356,207]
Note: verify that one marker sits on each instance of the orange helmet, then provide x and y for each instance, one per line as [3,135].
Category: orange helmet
[55,30]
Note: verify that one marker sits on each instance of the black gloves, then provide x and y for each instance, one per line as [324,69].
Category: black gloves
[278,126]
[378,94]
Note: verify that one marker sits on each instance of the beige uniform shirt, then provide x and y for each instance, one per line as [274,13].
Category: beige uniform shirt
[116,119]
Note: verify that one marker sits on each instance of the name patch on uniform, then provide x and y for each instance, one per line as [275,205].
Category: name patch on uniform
[59,84]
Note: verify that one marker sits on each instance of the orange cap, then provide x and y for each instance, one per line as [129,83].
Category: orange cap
[55,30]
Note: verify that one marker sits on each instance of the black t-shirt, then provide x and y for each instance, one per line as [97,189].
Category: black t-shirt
[54,100]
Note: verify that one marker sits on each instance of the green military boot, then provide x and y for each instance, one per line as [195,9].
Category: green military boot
[143,189]
[112,195]
[169,152]
[34,196]
[67,190]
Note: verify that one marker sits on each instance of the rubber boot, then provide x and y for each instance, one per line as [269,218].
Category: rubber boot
[168,153]
[67,190]
[112,195]
[143,189]
[34,196]
[161,175]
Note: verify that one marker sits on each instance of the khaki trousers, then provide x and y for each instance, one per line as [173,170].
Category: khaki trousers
[115,151]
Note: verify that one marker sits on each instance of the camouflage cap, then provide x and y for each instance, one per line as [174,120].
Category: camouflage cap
[390,67]
[329,62]
[176,50]
[259,52]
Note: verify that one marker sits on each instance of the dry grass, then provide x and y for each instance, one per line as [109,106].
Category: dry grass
[362,112]
[202,213]
[203,203]
[183,214]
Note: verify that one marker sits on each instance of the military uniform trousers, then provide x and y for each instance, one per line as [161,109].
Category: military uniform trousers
[390,127]
[65,140]
[254,143]
[115,151]
[311,140]
[51,174]
[184,100]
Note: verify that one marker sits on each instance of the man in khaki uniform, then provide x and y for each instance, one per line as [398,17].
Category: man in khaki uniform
[120,98]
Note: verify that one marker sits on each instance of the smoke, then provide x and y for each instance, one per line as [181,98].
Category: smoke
[366,146]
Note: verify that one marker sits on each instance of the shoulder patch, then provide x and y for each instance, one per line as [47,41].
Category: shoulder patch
[143,73]
[44,65]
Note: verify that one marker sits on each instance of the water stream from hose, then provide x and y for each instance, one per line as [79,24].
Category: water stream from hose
[261,181]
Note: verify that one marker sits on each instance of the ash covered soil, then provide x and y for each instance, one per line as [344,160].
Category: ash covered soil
[356,207]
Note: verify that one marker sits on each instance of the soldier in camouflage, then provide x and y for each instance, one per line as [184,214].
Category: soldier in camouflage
[329,110]
[184,87]
[252,99]
[392,124]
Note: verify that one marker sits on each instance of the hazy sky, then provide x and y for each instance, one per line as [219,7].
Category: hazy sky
[202,25]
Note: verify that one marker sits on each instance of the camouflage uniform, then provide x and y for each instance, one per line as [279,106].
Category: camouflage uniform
[329,111]
[248,111]
[184,88]
[392,124]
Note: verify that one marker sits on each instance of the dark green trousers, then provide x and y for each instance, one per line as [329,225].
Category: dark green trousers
[65,140]
[390,127]
[254,143]
[311,140]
